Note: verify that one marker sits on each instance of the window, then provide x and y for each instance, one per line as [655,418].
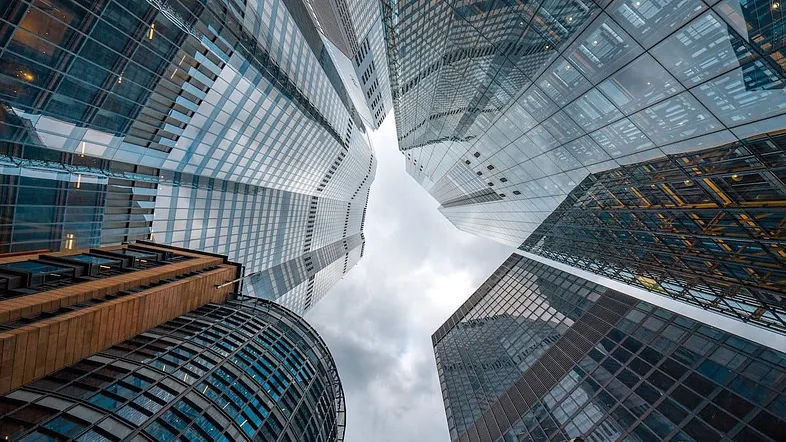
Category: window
[66,426]
[717,418]
[733,403]
[699,431]
[159,431]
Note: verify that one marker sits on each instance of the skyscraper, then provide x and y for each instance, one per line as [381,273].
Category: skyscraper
[147,342]
[354,37]
[538,353]
[704,227]
[618,131]
[199,124]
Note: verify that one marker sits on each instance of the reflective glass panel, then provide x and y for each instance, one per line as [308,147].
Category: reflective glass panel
[524,148]
[521,117]
[542,139]
[701,50]
[562,127]
[563,159]
[639,84]
[760,23]
[648,21]
[622,138]
[602,49]
[587,151]
[592,110]
[537,103]
[563,82]
[531,169]
[545,164]
[755,91]
[675,119]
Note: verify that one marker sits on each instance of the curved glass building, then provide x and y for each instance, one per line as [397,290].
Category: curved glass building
[246,369]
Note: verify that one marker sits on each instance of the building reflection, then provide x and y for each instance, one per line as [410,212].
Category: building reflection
[683,102]
[539,354]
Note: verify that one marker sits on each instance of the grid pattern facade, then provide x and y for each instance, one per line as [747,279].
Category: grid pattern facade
[539,354]
[292,283]
[527,100]
[355,31]
[236,371]
[211,125]
[57,200]
[39,206]
[230,218]
[706,228]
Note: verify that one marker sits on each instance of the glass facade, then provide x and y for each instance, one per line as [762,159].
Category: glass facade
[355,40]
[538,354]
[220,126]
[507,111]
[247,369]
[703,227]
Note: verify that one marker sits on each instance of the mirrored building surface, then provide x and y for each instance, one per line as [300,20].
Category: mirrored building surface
[209,125]
[506,111]
[706,227]
[539,354]
[353,34]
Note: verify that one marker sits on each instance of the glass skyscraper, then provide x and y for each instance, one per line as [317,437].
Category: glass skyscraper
[704,227]
[637,139]
[354,37]
[218,126]
[151,342]
[539,354]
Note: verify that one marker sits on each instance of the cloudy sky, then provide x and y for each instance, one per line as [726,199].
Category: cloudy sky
[417,270]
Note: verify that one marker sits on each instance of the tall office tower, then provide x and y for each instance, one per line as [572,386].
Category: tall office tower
[208,125]
[354,36]
[638,139]
[144,342]
[538,353]
[705,227]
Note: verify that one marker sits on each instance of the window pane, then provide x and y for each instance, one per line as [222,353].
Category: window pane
[562,82]
[648,21]
[639,84]
[755,91]
[592,110]
[537,103]
[562,127]
[602,49]
[701,50]
[622,138]
[586,151]
[675,119]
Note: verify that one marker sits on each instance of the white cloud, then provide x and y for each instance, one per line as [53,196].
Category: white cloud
[418,269]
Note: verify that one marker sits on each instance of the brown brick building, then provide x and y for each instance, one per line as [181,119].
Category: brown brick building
[58,308]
